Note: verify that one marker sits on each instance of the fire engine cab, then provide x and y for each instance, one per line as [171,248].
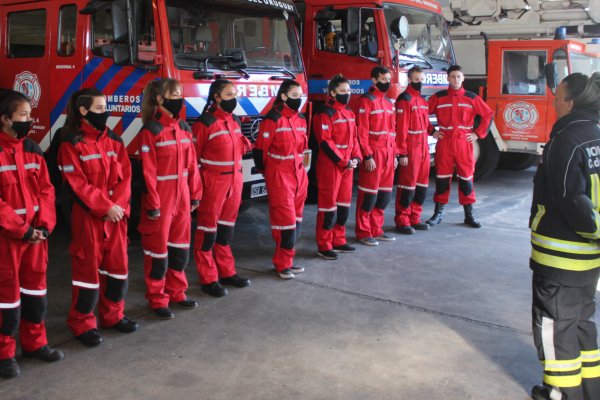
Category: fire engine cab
[49,49]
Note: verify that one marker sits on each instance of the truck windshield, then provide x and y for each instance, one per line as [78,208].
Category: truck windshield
[202,32]
[584,63]
[428,37]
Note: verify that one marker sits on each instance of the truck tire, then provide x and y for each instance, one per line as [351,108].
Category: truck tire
[516,161]
[486,157]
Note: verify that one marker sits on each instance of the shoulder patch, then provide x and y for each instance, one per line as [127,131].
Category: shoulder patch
[237,119]
[327,110]
[405,96]
[369,96]
[71,137]
[206,119]
[114,136]
[184,126]
[301,115]
[32,147]
[273,115]
[470,95]
[442,93]
[153,126]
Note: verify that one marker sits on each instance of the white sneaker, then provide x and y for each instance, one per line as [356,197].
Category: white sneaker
[384,237]
[286,274]
[369,241]
[297,269]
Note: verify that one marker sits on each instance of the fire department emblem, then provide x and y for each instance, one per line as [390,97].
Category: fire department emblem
[28,84]
[521,115]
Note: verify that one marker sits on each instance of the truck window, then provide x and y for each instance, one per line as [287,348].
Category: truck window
[332,33]
[584,63]
[26,34]
[201,33]
[146,36]
[562,63]
[102,32]
[368,34]
[523,72]
[67,29]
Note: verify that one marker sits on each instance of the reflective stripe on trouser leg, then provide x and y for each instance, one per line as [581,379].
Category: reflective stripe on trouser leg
[111,305]
[466,191]
[339,230]
[556,338]
[175,280]
[416,207]
[324,228]
[377,215]
[203,254]
[364,207]
[81,315]
[32,330]
[222,251]
[113,276]
[284,248]
[404,198]
[588,334]
[155,270]
[442,190]
[9,325]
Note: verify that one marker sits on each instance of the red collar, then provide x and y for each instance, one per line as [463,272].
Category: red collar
[165,120]
[220,114]
[8,141]
[89,132]
[376,92]
[286,111]
[456,92]
[333,103]
[412,91]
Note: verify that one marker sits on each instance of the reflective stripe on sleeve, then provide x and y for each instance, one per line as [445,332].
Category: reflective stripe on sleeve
[90,157]
[115,276]
[218,133]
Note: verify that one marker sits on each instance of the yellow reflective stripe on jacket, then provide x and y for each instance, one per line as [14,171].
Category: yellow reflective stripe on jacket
[563,381]
[595,186]
[568,264]
[596,234]
[538,216]
[564,245]
[562,365]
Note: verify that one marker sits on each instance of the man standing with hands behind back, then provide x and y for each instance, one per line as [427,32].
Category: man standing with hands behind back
[455,109]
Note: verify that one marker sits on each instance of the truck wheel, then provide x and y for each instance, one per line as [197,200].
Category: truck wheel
[516,161]
[486,155]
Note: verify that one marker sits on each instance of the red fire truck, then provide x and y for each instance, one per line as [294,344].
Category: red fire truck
[51,48]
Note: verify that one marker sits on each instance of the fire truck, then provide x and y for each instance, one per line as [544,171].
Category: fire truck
[353,36]
[516,89]
[51,48]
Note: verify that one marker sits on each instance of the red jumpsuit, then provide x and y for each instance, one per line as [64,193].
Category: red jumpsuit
[220,146]
[26,202]
[279,154]
[335,130]
[377,138]
[173,183]
[412,128]
[97,172]
[455,111]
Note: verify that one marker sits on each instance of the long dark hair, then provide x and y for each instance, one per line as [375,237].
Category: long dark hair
[159,87]
[215,88]
[81,98]
[285,87]
[335,82]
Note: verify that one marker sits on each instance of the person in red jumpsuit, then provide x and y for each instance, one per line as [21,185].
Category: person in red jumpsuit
[412,129]
[334,127]
[377,138]
[172,191]
[220,146]
[27,217]
[97,173]
[456,110]
[278,154]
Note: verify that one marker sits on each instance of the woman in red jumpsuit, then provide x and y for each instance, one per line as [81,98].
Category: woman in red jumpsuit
[172,192]
[279,154]
[220,146]
[97,173]
[335,130]
[27,217]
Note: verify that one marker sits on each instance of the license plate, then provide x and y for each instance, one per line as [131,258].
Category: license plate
[258,190]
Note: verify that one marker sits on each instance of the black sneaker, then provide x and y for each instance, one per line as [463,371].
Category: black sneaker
[9,368]
[125,325]
[90,338]
[421,226]
[384,237]
[236,281]
[540,392]
[163,313]
[344,248]
[297,269]
[45,353]
[405,230]
[286,274]
[327,254]
[187,304]
[214,289]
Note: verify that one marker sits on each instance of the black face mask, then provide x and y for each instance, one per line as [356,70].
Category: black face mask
[383,86]
[343,98]
[294,104]
[228,105]
[22,128]
[173,106]
[416,85]
[97,120]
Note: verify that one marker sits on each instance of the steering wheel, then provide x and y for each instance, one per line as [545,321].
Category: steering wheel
[255,49]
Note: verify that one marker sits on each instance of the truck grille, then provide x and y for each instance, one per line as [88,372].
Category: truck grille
[250,125]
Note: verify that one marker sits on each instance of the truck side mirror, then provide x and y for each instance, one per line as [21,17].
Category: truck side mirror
[551,76]
[121,54]
[120,26]
[238,58]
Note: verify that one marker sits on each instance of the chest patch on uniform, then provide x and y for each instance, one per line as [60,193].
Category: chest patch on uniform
[145,149]
[324,127]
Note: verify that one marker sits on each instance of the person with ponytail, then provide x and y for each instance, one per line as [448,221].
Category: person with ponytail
[220,146]
[565,237]
[97,174]
[335,130]
[172,191]
[27,217]
[278,154]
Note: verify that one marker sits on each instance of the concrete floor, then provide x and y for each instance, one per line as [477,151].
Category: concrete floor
[443,314]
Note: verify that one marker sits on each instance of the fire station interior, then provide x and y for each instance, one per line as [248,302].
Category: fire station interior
[440,314]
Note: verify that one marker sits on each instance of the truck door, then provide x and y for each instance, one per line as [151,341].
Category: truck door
[522,106]
[27,46]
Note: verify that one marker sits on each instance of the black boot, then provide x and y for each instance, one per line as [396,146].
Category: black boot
[438,213]
[9,368]
[470,217]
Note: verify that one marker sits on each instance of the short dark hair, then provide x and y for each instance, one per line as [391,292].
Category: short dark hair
[375,72]
[455,67]
[285,87]
[10,100]
[584,91]
[575,84]
[336,81]
[414,70]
